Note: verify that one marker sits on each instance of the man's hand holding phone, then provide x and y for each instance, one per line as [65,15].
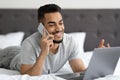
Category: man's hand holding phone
[46,42]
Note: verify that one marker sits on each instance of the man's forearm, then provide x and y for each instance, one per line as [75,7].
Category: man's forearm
[36,69]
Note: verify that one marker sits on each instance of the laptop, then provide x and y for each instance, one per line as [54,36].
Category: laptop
[102,63]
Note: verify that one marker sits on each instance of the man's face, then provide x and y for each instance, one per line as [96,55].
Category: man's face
[54,24]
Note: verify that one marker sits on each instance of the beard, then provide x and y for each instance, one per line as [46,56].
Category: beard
[58,41]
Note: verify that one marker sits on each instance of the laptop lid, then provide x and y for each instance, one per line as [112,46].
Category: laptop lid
[102,63]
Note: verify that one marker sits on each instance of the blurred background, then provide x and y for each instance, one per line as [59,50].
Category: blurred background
[65,4]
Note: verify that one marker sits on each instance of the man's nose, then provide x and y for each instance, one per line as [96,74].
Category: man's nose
[58,28]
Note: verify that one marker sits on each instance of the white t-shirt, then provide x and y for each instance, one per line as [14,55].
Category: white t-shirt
[67,50]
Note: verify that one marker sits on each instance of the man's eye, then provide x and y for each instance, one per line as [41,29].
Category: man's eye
[51,25]
[61,23]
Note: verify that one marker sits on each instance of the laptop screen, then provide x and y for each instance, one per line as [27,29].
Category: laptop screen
[102,63]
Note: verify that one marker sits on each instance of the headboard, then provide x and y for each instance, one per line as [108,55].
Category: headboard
[97,23]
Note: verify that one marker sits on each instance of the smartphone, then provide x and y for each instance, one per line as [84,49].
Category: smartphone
[41,28]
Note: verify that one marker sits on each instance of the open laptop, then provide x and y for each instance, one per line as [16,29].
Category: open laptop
[102,63]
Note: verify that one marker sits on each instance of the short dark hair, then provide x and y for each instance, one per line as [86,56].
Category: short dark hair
[48,8]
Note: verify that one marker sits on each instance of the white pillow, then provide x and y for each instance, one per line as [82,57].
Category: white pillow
[79,37]
[11,39]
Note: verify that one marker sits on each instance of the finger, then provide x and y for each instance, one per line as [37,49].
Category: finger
[101,44]
[50,43]
[108,45]
[48,38]
[51,37]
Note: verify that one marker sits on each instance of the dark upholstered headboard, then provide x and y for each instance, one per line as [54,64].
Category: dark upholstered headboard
[12,20]
[97,23]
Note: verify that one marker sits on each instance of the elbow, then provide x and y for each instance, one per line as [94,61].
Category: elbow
[80,69]
[83,68]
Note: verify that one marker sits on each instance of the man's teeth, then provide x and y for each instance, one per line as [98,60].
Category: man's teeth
[57,34]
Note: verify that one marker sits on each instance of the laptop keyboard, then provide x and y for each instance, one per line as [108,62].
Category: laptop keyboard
[72,76]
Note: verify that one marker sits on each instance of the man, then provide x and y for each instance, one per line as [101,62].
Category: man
[47,53]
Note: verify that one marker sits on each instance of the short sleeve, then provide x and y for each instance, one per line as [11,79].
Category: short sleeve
[27,53]
[76,51]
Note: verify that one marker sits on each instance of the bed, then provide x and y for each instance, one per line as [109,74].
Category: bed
[89,26]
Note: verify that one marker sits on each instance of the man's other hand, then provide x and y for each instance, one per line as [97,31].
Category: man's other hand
[102,44]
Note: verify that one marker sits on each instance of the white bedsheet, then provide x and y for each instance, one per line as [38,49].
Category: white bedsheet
[6,74]
[27,77]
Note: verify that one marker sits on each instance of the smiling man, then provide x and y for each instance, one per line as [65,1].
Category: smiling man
[47,53]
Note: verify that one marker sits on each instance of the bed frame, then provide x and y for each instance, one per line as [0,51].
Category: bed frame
[97,23]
